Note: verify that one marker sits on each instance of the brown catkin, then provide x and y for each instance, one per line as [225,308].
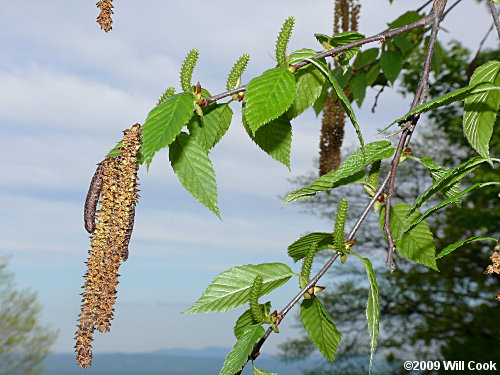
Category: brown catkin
[337,14]
[104,18]
[344,9]
[345,18]
[332,135]
[495,266]
[355,9]
[93,195]
[110,237]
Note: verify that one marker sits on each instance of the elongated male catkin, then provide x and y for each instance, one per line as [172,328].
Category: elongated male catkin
[116,185]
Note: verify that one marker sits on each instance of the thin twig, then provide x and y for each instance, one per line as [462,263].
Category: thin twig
[375,102]
[494,14]
[473,63]
[419,99]
[434,16]
[367,65]
[418,10]
[381,37]
[481,43]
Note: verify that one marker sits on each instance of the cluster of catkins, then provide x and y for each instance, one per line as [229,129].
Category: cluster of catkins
[115,184]
[346,16]
[104,18]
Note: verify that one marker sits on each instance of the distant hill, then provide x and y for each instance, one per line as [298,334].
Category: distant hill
[208,352]
[206,361]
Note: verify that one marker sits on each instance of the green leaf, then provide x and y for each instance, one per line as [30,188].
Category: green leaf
[309,86]
[391,63]
[366,57]
[237,358]
[164,123]
[372,307]
[481,110]
[269,96]
[358,88]
[246,320]
[401,41]
[275,138]
[372,74]
[231,288]
[344,101]
[320,102]
[437,58]
[342,77]
[115,151]
[444,100]
[456,245]
[353,165]
[404,19]
[345,38]
[452,199]
[448,180]
[300,55]
[418,243]
[299,248]
[209,129]
[258,371]
[324,40]
[337,40]
[320,327]
[194,169]
[436,172]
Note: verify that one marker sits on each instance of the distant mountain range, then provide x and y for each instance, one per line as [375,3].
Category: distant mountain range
[207,361]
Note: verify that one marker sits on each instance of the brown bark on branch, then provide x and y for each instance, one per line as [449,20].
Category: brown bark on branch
[381,37]
[409,126]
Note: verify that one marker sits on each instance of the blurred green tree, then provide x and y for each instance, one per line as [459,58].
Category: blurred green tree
[24,341]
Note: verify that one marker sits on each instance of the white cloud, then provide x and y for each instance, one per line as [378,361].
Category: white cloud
[36,97]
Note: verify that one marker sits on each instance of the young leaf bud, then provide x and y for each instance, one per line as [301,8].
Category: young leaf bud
[305,273]
[167,94]
[340,220]
[198,110]
[234,77]
[253,298]
[187,69]
[373,176]
[282,41]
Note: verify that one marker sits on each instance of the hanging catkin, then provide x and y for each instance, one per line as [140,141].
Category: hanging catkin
[104,18]
[332,135]
[346,15]
[116,184]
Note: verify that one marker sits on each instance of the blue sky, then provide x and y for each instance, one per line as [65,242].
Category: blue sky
[67,90]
